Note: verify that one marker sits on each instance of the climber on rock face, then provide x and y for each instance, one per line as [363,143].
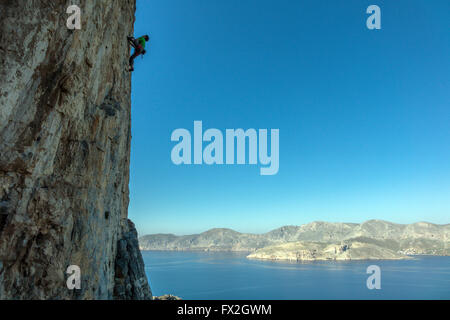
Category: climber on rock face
[139,48]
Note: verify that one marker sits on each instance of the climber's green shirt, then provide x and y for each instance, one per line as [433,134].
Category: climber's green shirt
[141,42]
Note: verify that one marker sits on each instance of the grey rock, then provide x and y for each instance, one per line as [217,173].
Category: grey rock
[167,297]
[130,279]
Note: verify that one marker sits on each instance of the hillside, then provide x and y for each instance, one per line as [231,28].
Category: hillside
[312,251]
[417,238]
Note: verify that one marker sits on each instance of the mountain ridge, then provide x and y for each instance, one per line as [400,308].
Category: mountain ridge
[415,238]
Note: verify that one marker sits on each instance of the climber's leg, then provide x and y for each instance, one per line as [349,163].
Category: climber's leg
[136,53]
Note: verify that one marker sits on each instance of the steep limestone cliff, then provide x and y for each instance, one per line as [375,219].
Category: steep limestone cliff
[65,152]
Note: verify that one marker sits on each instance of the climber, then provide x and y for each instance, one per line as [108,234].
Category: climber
[139,48]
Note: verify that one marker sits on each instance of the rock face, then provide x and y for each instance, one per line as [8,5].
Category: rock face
[167,297]
[130,279]
[65,151]
[417,238]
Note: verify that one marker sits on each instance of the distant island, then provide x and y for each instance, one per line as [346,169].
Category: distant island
[373,239]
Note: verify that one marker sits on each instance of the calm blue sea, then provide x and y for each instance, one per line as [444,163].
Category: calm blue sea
[201,275]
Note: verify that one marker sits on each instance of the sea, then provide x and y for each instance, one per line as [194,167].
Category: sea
[231,276]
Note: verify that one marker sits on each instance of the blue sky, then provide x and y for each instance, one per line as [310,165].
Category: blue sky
[363,115]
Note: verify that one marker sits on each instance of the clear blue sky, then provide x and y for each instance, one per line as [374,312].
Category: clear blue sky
[363,115]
